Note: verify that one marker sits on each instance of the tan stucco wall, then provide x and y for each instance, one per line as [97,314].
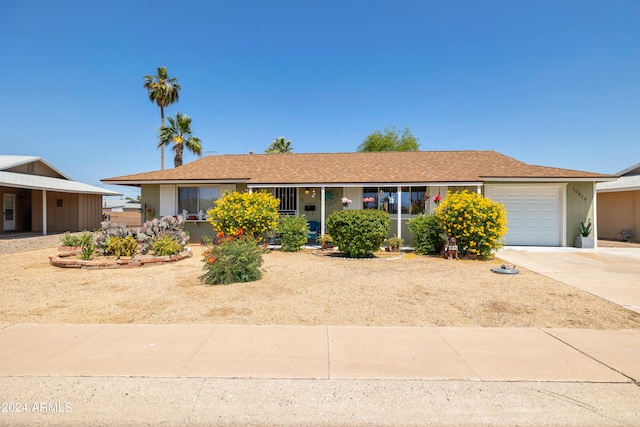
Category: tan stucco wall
[618,211]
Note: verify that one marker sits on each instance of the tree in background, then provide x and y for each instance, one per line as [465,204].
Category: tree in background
[179,134]
[163,90]
[390,140]
[279,146]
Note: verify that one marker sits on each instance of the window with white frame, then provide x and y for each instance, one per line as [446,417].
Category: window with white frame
[196,199]
[412,200]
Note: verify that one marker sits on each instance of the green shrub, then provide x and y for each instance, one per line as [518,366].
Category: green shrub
[70,240]
[429,235]
[477,223]
[233,260]
[121,246]
[87,250]
[253,213]
[166,245]
[358,233]
[293,232]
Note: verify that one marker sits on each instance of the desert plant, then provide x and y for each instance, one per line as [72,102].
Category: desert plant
[293,232]
[70,240]
[121,246]
[108,230]
[429,235]
[394,243]
[478,223]
[166,245]
[235,259]
[158,227]
[585,229]
[87,250]
[253,213]
[358,233]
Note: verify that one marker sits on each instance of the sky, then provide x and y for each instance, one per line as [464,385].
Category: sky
[552,83]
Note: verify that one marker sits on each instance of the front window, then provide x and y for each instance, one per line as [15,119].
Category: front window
[196,199]
[386,199]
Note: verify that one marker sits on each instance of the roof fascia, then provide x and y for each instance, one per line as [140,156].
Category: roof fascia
[365,184]
[617,190]
[139,183]
[560,180]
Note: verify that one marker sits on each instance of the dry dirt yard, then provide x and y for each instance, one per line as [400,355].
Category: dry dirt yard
[301,289]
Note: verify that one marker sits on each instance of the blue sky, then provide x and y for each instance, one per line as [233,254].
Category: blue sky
[552,83]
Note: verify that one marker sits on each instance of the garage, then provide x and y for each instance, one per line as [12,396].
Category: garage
[534,213]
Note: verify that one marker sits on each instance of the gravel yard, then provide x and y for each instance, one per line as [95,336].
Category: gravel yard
[297,289]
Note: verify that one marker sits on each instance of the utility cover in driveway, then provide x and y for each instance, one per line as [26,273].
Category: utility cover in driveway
[533,213]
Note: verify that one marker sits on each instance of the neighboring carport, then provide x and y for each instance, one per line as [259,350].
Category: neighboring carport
[34,202]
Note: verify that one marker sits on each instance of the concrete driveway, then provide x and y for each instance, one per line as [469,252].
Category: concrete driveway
[610,273]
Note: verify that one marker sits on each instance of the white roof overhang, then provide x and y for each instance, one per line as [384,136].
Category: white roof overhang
[365,184]
[38,182]
[625,183]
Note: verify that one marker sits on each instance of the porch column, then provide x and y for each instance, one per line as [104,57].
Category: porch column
[479,189]
[399,209]
[595,216]
[322,209]
[44,212]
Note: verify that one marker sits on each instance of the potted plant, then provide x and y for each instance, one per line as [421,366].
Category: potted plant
[583,240]
[326,241]
[394,243]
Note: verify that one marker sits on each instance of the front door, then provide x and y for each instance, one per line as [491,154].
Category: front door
[9,212]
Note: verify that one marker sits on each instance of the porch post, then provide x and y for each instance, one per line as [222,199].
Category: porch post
[44,212]
[399,208]
[322,209]
[595,216]
[479,189]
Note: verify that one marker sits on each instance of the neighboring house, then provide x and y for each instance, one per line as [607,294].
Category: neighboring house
[619,205]
[38,197]
[545,205]
[122,211]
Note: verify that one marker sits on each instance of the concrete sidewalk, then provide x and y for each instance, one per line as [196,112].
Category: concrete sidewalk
[290,375]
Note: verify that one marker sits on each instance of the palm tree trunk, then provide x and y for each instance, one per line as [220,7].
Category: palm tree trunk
[162,147]
[177,161]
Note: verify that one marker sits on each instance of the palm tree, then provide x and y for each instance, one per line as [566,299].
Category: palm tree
[163,90]
[179,134]
[279,146]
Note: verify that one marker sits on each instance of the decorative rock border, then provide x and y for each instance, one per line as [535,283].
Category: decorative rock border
[62,260]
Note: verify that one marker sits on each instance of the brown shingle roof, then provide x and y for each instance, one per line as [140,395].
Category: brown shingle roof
[343,168]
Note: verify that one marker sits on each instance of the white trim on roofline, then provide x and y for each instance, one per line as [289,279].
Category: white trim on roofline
[174,181]
[516,180]
[367,184]
[39,182]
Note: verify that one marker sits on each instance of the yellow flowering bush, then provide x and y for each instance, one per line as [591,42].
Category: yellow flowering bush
[253,213]
[477,223]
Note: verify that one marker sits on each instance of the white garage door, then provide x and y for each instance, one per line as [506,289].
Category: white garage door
[533,213]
